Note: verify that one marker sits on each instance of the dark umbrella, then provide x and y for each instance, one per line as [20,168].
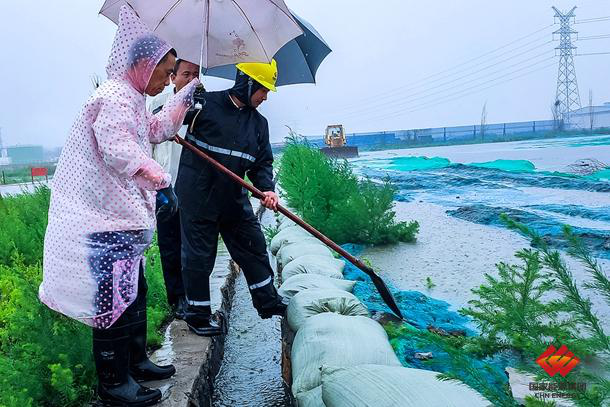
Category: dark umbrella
[297,61]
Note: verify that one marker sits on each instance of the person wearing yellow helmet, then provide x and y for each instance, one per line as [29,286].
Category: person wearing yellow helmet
[258,80]
[231,130]
[265,74]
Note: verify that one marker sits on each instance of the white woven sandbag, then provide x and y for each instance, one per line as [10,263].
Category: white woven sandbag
[300,240]
[330,339]
[315,301]
[314,264]
[289,252]
[287,235]
[311,398]
[389,386]
[286,223]
[300,282]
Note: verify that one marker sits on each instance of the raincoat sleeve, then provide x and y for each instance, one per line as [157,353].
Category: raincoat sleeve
[165,123]
[261,173]
[116,135]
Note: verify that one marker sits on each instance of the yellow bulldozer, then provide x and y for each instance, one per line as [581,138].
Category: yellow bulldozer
[335,139]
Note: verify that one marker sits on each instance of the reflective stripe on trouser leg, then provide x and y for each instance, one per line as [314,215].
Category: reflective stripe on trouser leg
[268,280]
[198,303]
[246,244]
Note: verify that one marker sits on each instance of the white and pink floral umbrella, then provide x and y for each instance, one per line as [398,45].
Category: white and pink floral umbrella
[215,32]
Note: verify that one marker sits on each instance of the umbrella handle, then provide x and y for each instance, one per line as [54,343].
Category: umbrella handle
[385,293]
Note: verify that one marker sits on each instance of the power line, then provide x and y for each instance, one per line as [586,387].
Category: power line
[592,20]
[565,45]
[399,92]
[461,96]
[592,53]
[419,83]
[381,102]
[594,37]
[408,100]
[463,92]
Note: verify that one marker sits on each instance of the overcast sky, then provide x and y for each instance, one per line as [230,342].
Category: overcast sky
[383,73]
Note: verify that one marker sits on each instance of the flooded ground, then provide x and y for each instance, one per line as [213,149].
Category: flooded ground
[457,194]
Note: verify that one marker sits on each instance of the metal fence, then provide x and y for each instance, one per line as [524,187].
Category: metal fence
[487,132]
[475,132]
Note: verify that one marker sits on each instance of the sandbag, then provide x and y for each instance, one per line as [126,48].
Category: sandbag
[389,386]
[286,223]
[314,264]
[289,252]
[300,282]
[287,235]
[311,398]
[300,240]
[315,301]
[330,339]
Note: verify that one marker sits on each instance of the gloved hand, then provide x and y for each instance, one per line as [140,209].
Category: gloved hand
[199,96]
[167,203]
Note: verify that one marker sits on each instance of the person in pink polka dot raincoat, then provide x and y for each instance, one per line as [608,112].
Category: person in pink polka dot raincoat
[102,212]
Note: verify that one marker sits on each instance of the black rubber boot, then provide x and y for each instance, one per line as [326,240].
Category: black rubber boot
[199,320]
[268,302]
[140,366]
[279,308]
[116,387]
[180,310]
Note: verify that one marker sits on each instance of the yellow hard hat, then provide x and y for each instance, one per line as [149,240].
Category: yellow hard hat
[263,73]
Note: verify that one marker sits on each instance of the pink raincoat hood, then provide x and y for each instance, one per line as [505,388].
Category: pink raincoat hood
[135,51]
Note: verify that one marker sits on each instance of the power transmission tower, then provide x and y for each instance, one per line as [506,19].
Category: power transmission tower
[567,87]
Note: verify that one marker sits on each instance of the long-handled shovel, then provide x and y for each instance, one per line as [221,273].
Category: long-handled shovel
[386,295]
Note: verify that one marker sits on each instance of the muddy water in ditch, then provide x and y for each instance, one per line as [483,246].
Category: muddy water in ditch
[250,375]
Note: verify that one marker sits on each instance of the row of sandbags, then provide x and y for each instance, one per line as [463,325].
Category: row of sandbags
[340,356]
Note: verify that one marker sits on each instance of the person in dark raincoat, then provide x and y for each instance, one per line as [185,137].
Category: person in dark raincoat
[231,130]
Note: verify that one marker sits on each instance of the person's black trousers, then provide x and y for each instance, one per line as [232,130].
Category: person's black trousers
[118,346]
[246,244]
[169,241]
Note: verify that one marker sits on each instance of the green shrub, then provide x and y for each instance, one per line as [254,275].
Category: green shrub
[580,306]
[270,232]
[331,198]
[38,346]
[45,357]
[158,310]
[23,221]
[519,313]
[513,311]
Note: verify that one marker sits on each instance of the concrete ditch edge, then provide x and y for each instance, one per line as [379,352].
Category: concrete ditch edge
[197,359]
